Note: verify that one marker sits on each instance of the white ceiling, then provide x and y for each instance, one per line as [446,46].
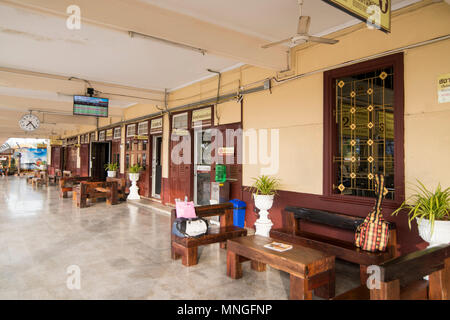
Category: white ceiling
[267,19]
[96,53]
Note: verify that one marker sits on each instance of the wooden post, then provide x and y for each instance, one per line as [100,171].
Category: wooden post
[299,289]
[189,256]
[258,266]
[388,291]
[234,267]
[440,283]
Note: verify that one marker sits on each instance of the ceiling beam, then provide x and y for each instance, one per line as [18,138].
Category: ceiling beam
[143,18]
[31,80]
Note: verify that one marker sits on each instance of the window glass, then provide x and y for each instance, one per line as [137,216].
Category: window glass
[365,132]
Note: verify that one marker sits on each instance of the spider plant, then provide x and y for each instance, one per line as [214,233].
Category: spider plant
[111,167]
[426,204]
[135,168]
[265,185]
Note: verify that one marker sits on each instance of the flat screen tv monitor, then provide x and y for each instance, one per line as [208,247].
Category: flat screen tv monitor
[90,106]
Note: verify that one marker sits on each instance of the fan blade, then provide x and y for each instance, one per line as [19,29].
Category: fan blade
[322,40]
[272,44]
[303,25]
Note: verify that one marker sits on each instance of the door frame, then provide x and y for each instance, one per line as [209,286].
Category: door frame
[153,158]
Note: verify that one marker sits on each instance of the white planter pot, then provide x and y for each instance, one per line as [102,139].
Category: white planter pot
[134,189]
[441,234]
[263,224]
[112,174]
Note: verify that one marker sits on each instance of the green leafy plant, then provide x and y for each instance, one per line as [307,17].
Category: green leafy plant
[111,167]
[265,185]
[426,204]
[135,168]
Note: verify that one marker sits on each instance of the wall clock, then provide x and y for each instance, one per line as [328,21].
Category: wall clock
[29,122]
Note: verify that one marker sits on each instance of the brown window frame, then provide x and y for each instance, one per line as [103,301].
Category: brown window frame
[330,134]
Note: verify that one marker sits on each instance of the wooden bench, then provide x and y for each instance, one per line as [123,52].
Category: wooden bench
[40,179]
[341,249]
[96,190]
[187,248]
[66,184]
[32,176]
[53,179]
[401,278]
[121,187]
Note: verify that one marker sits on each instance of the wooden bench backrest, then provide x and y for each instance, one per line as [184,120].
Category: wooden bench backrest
[121,182]
[416,265]
[65,181]
[335,220]
[405,270]
[224,210]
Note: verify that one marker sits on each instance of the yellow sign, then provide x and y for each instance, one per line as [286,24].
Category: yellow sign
[56,142]
[201,115]
[41,146]
[375,12]
[444,88]
[109,134]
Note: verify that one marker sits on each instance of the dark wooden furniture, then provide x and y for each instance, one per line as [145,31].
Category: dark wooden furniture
[122,190]
[310,270]
[41,179]
[96,190]
[66,184]
[341,249]
[187,248]
[402,278]
[53,179]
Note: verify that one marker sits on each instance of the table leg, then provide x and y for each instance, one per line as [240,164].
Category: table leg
[234,267]
[258,266]
[327,290]
[299,289]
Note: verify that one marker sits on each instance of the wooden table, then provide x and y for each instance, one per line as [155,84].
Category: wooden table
[309,269]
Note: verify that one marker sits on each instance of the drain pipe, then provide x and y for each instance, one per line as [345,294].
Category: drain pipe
[218,93]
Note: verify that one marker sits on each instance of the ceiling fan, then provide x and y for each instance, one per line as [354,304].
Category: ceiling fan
[302,32]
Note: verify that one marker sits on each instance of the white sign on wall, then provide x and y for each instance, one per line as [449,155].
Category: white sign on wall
[444,88]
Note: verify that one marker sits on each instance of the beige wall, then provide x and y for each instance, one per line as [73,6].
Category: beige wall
[295,108]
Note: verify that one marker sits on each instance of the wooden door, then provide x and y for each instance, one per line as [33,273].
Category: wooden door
[56,158]
[137,152]
[71,164]
[233,162]
[180,177]
[84,160]
[99,157]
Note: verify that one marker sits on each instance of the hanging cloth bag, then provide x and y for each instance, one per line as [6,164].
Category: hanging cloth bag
[373,234]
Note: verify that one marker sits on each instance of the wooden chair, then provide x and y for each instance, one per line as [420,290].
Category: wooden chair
[290,232]
[402,278]
[41,179]
[66,184]
[30,178]
[187,248]
[121,187]
[53,179]
[97,190]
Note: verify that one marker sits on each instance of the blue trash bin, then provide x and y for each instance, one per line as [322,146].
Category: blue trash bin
[238,212]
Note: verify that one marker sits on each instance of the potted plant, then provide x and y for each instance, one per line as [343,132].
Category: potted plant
[112,169]
[264,190]
[431,210]
[133,173]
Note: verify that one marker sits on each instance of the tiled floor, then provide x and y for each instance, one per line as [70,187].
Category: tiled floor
[122,252]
